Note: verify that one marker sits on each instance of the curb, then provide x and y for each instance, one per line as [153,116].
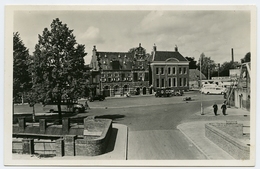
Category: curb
[193,142]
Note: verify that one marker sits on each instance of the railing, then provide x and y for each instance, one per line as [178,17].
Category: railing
[40,147]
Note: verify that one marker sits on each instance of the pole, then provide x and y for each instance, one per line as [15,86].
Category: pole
[201,106]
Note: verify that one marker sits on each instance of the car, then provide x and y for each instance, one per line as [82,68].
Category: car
[96,97]
[65,107]
[187,99]
[164,92]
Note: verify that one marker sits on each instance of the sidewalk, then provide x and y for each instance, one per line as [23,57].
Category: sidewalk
[116,150]
[195,132]
[208,111]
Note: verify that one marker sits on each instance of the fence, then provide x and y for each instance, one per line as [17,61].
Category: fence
[40,147]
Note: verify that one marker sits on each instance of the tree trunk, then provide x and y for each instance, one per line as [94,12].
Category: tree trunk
[59,111]
[33,115]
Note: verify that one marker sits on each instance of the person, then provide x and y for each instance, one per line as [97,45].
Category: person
[86,105]
[215,108]
[224,108]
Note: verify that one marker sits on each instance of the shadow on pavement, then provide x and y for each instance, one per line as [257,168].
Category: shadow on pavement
[112,140]
[111,116]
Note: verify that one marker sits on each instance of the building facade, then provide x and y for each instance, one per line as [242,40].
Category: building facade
[240,97]
[135,72]
[169,70]
[118,73]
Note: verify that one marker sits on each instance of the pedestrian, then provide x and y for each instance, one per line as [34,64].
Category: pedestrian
[224,108]
[86,105]
[215,109]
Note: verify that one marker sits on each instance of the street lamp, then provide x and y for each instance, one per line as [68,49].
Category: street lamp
[201,106]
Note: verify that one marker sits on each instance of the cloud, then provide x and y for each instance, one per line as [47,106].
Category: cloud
[92,34]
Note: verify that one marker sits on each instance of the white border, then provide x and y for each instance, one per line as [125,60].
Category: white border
[142,163]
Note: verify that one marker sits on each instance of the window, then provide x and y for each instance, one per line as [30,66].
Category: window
[157,70]
[174,82]
[180,70]
[140,77]
[116,74]
[184,82]
[135,77]
[173,70]
[162,83]
[102,75]
[170,82]
[184,70]
[180,82]
[123,76]
[157,83]
[109,75]
[109,79]
[169,71]
[162,70]
[146,76]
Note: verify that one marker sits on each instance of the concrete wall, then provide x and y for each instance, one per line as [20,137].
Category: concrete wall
[93,141]
[228,143]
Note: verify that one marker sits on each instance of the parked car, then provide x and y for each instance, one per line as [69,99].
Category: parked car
[65,107]
[213,90]
[163,92]
[96,97]
[179,93]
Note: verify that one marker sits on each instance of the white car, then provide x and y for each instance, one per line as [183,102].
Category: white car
[213,90]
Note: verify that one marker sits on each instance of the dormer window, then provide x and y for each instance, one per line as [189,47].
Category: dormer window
[104,62]
[119,56]
[124,62]
[125,56]
[105,56]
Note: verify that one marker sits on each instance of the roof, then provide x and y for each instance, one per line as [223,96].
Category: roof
[164,55]
[122,61]
[194,75]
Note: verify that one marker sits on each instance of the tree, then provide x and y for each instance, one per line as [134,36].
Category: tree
[58,65]
[21,77]
[207,65]
[247,58]
[192,62]
[226,66]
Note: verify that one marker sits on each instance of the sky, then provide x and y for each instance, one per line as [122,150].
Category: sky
[212,32]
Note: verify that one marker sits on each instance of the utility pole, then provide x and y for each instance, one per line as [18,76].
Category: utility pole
[201,107]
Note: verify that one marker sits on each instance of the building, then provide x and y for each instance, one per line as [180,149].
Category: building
[239,94]
[169,70]
[118,73]
[194,78]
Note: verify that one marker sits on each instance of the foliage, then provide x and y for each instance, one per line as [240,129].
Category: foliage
[192,62]
[21,77]
[247,58]
[207,65]
[58,65]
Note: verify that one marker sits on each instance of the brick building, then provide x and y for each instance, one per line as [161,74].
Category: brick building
[118,73]
[169,70]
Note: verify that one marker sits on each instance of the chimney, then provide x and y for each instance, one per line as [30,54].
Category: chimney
[139,44]
[43,125]
[176,48]
[232,55]
[21,124]
[154,48]
[65,125]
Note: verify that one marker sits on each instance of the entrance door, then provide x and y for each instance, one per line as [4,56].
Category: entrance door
[107,91]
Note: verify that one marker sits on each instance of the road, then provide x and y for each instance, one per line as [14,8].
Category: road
[152,123]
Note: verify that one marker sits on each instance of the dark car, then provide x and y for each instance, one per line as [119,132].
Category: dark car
[163,93]
[96,97]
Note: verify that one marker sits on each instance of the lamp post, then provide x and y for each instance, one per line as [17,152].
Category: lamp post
[201,106]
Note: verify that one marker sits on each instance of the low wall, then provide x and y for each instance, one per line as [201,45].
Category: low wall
[228,143]
[91,146]
[90,141]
